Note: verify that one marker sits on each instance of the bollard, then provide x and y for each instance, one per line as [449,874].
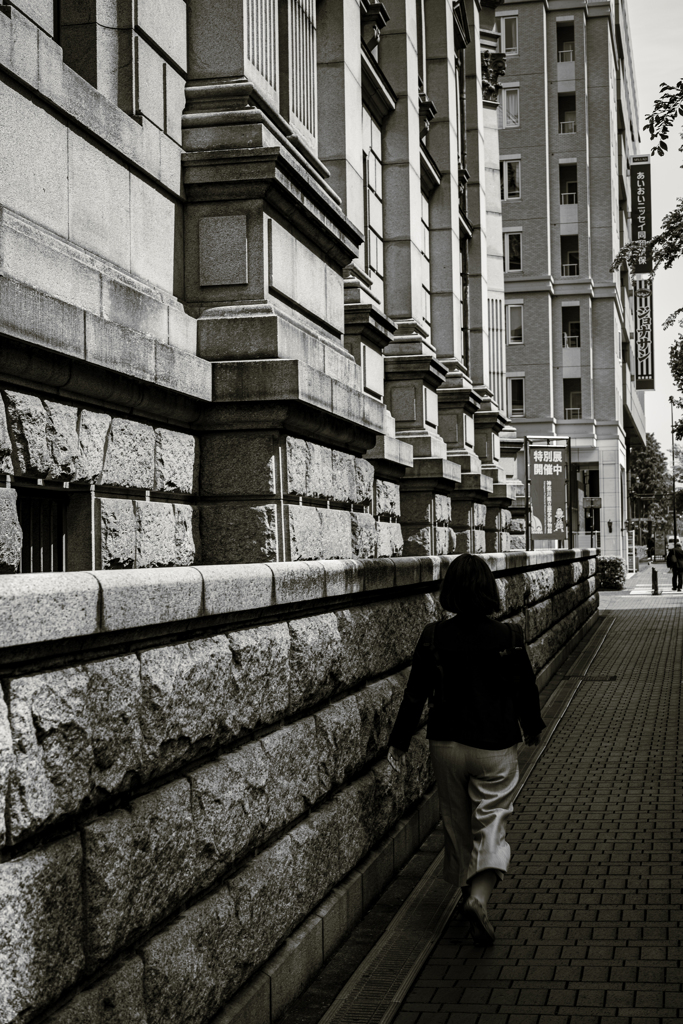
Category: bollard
[655,581]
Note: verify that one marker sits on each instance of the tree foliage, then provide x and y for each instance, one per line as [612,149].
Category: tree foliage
[651,482]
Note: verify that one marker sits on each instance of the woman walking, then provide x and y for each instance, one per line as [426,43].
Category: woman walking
[476,674]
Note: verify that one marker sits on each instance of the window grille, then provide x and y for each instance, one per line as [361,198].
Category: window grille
[42,516]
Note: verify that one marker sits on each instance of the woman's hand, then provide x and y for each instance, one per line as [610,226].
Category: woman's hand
[533,741]
[396,757]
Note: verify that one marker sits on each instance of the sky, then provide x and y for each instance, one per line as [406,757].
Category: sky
[657,39]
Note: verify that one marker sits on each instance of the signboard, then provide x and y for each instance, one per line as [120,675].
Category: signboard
[645,355]
[641,208]
[548,478]
[592,502]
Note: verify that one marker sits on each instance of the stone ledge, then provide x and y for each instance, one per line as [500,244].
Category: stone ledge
[55,606]
[300,960]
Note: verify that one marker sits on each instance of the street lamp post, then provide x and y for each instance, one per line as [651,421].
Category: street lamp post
[673,465]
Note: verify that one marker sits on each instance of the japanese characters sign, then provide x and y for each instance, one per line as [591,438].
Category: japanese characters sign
[645,360]
[548,475]
[641,208]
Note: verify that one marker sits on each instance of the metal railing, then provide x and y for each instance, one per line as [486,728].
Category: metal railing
[569,198]
[572,413]
[565,55]
[570,270]
[571,340]
[567,127]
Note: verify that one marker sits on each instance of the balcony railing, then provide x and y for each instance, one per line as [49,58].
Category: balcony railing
[571,341]
[570,270]
[567,127]
[569,198]
[572,413]
[565,55]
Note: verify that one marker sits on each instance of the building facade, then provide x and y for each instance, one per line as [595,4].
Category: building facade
[568,130]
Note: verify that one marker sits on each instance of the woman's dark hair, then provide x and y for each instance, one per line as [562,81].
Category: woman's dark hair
[469,586]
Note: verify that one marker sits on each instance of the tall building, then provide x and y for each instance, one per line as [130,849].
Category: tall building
[568,130]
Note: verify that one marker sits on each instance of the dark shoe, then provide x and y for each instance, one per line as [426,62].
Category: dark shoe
[480,926]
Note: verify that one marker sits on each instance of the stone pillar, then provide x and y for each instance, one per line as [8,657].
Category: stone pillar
[266,243]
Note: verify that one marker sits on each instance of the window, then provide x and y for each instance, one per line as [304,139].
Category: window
[514,315]
[513,251]
[566,106]
[42,519]
[569,250]
[509,34]
[568,185]
[510,179]
[571,327]
[374,210]
[565,42]
[572,398]
[426,269]
[511,108]
[516,395]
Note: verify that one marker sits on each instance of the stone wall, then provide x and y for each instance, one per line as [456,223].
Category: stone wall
[197,805]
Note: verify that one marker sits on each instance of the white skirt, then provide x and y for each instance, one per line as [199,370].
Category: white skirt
[475,796]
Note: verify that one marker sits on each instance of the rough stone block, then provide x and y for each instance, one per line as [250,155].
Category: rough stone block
[189,700]
[293,968]
[47,607]
[193,966]
[155,534]
[517,526]
[315,659]
[308,469]
[115,531]
[539,584]
[236,588]
[27,421]
[442,509]
[139,866]
[444,540]
[517,542]
[416,540]
[338,741]
[461,515]
[149,596]
[336,533]
[387,498]
[364,535]
[41,951]
[235,464]
[76,736]
[416,507]
[365,475]
[6,757]
[62,440]
[261,676]
[117,999]
[93,428]
[479,516]
[343,477]
[186,535]
[389,540]
[175,461]
[378,705]
[479,541]
[294,782]
[238,533]
[304,533]
[10,532]
[129,456]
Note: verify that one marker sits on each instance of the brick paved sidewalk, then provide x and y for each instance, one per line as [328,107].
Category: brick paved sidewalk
[588,921]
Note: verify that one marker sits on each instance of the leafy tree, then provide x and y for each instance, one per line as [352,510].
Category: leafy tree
[651,483]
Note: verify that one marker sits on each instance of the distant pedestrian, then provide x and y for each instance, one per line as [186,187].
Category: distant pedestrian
[674,560]
[478,678]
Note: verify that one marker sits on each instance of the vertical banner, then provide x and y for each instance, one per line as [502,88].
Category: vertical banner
[645,360]
[641,208]
[549,476]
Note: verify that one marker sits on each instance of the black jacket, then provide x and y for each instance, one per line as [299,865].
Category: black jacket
[486,690]
[674,559]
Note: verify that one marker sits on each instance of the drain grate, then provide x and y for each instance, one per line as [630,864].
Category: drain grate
[371,995]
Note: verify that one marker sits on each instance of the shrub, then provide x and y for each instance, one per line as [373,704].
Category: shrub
[611,572]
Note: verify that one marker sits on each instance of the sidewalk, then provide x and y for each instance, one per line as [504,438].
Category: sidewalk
[588,920]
